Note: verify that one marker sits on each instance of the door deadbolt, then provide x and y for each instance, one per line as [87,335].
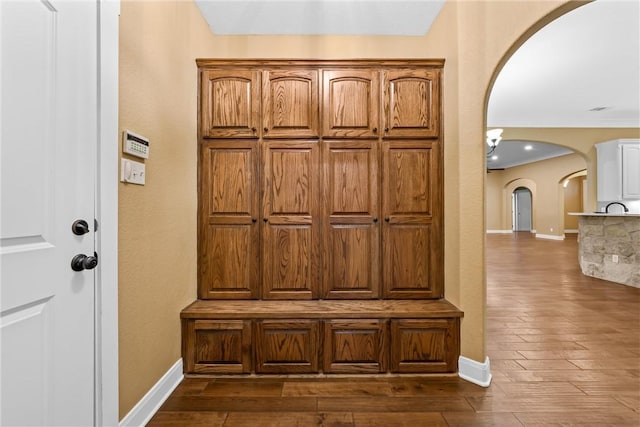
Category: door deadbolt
[80,227]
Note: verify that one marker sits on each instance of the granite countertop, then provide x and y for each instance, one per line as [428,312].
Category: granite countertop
[604,214]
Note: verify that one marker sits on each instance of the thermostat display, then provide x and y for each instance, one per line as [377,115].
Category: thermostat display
[134,144]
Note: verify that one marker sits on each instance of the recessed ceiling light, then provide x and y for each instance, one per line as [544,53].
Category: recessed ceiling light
[528,147]
[494,157]
[599,108]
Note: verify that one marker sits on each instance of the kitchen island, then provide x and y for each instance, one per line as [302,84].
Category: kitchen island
[609,246]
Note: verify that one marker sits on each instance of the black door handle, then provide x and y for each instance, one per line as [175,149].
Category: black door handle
[82,262]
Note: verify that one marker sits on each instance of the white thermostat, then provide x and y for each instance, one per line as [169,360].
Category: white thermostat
[134,144]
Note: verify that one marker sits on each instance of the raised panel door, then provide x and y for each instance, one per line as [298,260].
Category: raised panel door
[423,346]
[412,252]
[351,229]
[217,346]
[286,346]
[290,103]
[229,103]
[355,346]
[228,246]
[291,221]
[351,103]
[411,103]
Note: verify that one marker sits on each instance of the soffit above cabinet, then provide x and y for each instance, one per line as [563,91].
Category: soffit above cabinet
[320,17]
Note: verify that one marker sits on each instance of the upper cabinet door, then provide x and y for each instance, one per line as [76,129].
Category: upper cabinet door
[351,103]
[230,103]
[411,103]
[290,104]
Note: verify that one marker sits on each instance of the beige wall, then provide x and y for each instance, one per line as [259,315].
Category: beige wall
[572,202]
[159,42]
[157,243]
[544,179]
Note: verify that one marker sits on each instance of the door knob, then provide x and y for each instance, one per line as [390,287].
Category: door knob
[82,262]
[80,227]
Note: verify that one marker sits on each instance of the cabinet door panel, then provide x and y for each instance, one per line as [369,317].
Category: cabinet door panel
[229,103]
[288,347]
[290,104]
[217,346]
[291,226]
[425,345]
[411,103]
[351,103]
[228,246]
[352,230]
[412,252]
[355,346]
[630,171]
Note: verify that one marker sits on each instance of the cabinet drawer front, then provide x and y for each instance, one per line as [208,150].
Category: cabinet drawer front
[217,346]
[286,346]
[424,345]
[355,346]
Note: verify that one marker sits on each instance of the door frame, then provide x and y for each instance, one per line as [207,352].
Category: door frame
[106,208]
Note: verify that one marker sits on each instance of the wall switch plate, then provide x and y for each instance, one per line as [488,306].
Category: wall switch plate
[132,172]
[614,258]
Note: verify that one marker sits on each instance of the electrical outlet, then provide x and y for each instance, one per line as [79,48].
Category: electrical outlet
[614,258]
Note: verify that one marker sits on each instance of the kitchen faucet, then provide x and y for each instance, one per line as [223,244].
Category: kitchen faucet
[616,203]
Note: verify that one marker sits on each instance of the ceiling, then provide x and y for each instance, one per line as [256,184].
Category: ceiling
[581,70]
[320,17]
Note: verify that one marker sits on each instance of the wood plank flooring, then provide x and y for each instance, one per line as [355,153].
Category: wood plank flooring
[564,351]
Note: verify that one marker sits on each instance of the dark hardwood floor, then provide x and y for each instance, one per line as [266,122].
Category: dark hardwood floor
[564,351]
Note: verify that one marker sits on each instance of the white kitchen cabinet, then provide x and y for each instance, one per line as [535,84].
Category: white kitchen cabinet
[618,170]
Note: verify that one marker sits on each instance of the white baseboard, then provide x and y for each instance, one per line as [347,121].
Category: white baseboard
[475,372]
[571,231]
[499,231]
[549,236]
[151,402]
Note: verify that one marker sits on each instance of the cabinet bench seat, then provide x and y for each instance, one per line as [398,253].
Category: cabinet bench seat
[320,337]
[320,309]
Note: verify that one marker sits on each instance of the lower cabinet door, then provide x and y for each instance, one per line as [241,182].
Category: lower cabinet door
[355,346]
[217,346]
[286,346]
[427,345]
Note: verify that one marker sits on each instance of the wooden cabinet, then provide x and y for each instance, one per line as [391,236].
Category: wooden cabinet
[424,345]
[284,346]
[290,106]
[355,346]
[229,103]
[351,103]
[351,229]
[412,259]
[411,103]
[291,225]
[228,243]
[320,220]
[217,346]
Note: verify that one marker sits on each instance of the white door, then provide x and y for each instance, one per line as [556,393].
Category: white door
[522,209]
[49,128]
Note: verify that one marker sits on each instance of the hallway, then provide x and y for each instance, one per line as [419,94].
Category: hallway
[564,350]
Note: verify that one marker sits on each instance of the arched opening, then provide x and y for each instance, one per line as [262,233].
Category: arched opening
[563,135]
